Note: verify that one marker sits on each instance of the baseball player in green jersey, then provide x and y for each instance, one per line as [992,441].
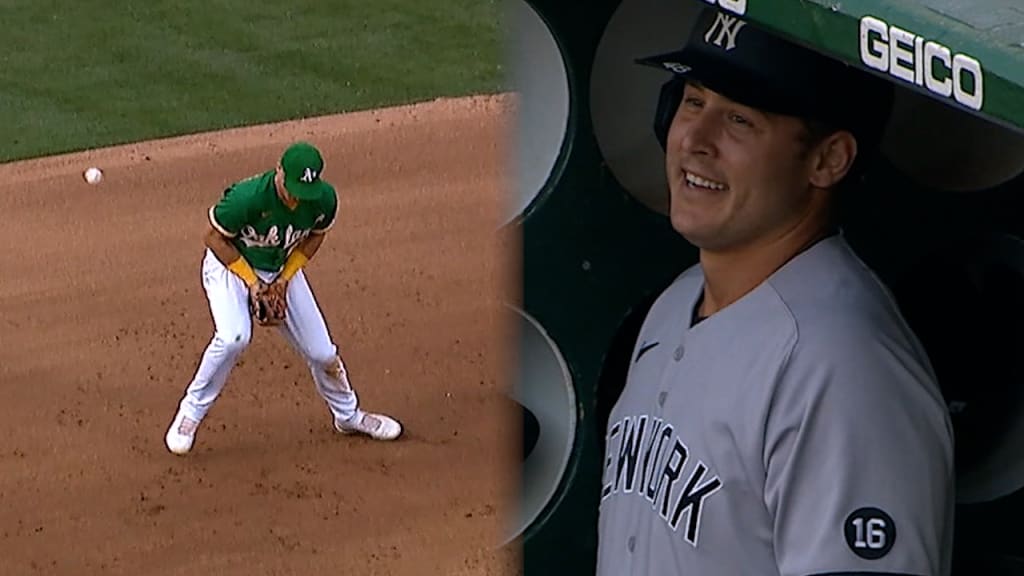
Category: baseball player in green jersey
[262,232]
[779,416]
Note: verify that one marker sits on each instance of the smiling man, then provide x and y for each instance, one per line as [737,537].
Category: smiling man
[779,416]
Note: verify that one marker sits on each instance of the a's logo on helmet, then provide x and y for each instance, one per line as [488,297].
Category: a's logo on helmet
[308,175]
[725,28]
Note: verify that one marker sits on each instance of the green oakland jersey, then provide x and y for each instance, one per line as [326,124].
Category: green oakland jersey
[262,227]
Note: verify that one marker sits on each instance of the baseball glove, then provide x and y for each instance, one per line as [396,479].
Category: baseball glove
[267,303]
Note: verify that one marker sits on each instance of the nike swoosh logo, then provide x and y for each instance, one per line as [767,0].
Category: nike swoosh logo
[644,348]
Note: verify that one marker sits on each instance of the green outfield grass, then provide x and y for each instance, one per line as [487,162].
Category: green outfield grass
[77,74]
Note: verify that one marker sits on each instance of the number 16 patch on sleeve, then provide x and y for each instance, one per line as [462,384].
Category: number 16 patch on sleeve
[870,533]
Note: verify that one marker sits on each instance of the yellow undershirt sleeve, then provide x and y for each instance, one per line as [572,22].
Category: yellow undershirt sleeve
[295,261]
[244,271]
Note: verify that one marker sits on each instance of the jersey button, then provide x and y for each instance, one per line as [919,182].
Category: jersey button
[679,352]
[631,544]
[661,398]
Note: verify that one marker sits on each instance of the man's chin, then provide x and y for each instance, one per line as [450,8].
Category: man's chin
[697,235]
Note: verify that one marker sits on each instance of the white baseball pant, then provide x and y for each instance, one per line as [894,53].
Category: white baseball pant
[304,328]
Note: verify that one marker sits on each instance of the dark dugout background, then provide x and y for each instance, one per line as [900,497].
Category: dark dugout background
[940,220]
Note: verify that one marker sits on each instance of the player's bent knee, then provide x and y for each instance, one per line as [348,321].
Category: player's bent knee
[235,342]
[334,367]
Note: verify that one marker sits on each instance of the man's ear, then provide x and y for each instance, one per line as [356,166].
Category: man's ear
[832,159]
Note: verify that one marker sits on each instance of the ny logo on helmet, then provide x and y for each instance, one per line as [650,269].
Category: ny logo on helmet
[725,28]
[308,175]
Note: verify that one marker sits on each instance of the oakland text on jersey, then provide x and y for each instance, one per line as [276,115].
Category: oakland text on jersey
[922,62]
[646,460]
[272,238]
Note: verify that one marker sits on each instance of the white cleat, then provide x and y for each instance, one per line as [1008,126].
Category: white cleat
[181,435]
[376,426]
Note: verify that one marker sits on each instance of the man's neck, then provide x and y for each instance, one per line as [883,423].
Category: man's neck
[729,275]
[290,203]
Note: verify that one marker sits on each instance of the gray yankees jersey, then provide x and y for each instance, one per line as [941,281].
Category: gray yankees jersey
[798,431]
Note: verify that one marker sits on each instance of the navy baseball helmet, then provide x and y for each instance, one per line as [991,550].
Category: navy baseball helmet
[752,66]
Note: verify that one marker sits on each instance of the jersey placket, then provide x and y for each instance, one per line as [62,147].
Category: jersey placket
[639,524]
[671,379]
[673,376]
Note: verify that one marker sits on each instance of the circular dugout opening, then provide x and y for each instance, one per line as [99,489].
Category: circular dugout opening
[541,83]
[624,94]
[988,406]
[999,470]
[544,390]
[948,149]
[932,142]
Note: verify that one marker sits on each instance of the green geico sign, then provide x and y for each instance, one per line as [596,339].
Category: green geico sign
[917,60]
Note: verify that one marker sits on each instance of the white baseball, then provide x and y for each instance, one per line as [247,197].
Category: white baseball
[93,175]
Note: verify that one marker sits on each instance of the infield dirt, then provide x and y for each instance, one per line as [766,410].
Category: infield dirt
[103,321]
